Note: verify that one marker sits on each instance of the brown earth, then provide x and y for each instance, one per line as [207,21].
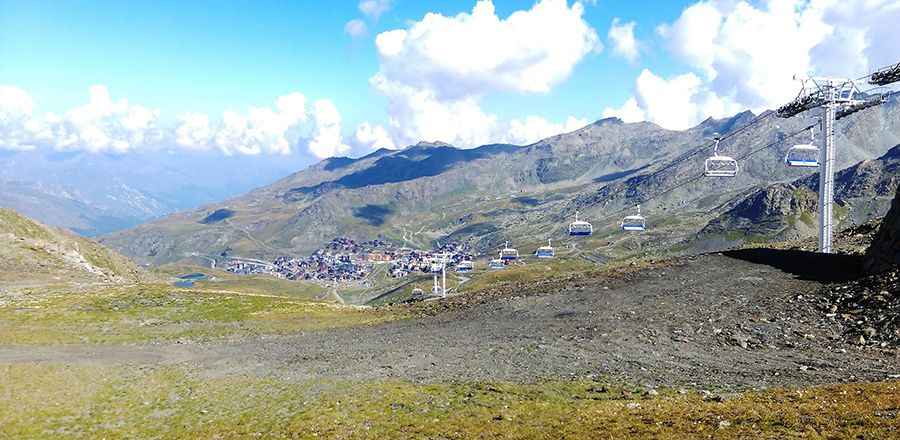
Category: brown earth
[742,319]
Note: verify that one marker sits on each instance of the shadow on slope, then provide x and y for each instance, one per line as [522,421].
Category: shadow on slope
[409,164]
[803,264]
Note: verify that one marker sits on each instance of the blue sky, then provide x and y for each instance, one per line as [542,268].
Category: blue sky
[210,56]
[173,59]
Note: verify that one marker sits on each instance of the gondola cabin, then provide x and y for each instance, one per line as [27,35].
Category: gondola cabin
[508,253]
[545,251]
[580,227]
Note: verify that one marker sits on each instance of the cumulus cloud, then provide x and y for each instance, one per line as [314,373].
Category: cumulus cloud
[193,131]
[435,72]
[621,35]
[18,130]
[745,56]
[534,128]
[261,130]
[355,28]
[327,140]
[373,136]
[675,103]
[103,125]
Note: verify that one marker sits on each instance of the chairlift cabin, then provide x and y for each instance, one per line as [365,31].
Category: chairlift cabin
[465,266]
[545,251]
[580,227]
[508,253]
[719,165]
[803,155]
[634,223]
[497,264]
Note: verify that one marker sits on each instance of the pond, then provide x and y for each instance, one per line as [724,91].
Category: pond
[188,279]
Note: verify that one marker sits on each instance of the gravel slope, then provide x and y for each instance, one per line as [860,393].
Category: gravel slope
[713,321]
[721,321]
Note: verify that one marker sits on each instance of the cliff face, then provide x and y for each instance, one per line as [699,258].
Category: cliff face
[884,253]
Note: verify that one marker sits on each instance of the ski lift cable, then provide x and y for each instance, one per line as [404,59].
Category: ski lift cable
[701,175]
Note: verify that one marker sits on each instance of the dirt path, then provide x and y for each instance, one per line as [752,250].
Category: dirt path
[718,321]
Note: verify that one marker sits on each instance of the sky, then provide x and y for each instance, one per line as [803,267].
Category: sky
[313,79]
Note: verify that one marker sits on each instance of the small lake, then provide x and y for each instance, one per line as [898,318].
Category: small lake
[188,279]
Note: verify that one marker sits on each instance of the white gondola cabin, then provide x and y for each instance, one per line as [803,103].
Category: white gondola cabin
[465,266]
[719,165]
[634,223]
[508,253]
[497,264]
[545,251]
[580,227]
[803,155]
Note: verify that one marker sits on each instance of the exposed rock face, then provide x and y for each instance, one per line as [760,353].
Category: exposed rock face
[781,210]
[884,253]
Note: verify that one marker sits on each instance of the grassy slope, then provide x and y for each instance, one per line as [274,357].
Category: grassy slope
[221,280]
[36,252]
[150,313]
[90,401]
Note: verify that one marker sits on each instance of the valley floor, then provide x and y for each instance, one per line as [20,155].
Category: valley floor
[728,323]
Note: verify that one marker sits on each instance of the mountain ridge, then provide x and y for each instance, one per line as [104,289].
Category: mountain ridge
[431,192]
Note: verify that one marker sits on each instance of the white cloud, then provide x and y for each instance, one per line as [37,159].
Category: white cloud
[435,72]
[745,56]
[374,8]
[193,131]
[104,125]
[18,130]
[372,136]
[327,140]
[623,42]
[628,112]
[261,130]
[355,28]
[535,128]
[676,103]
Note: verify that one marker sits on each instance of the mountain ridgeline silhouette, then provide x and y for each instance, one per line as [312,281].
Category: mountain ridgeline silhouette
[430,192]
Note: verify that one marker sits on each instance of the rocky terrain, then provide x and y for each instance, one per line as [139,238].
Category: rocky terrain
[786,211]
[495,193]
[33,254]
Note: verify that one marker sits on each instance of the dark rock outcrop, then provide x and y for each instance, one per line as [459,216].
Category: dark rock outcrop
[884,253]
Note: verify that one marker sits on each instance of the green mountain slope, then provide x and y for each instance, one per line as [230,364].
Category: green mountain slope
[32,253]
[432,191]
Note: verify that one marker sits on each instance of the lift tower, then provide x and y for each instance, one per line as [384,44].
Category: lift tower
[833,95]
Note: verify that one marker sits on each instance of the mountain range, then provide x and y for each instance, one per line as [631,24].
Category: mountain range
[431,192]
[98,193]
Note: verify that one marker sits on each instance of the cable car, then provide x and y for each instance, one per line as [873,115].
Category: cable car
[718,165]
[545,251]
[465,266]
[635,223]
[580,227]
[803,155]
[508,253]
[497,264]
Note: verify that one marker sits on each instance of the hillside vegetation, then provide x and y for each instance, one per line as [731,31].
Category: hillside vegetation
[32,253]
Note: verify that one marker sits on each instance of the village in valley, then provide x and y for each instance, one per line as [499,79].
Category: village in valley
[344,260]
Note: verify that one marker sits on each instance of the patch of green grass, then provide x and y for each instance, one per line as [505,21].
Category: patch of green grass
[90,401]
[158,313]
[533,270]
